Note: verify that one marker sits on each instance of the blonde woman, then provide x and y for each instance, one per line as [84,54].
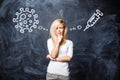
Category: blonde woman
[60,51]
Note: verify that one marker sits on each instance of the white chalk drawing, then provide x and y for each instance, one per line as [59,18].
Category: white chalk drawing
[91,22]
[93,19]
[26,20]
[79,27]
[42,28]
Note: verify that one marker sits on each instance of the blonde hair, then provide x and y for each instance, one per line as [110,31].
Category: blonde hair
[55,24]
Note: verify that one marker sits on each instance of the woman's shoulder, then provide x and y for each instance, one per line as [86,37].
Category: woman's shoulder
[69,41]
[49,40]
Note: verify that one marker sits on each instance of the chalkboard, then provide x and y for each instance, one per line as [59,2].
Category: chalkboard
[93,26]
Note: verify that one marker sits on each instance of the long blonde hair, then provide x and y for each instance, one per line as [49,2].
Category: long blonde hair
[54,25]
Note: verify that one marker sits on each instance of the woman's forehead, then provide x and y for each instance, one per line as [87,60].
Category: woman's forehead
[60,25]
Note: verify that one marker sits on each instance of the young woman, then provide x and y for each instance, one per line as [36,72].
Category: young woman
[60,51]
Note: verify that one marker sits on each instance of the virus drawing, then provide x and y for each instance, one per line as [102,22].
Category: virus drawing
[26,20]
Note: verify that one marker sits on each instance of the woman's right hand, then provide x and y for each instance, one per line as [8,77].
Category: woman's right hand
[60,37]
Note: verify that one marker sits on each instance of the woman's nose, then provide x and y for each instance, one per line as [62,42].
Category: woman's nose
[58,29]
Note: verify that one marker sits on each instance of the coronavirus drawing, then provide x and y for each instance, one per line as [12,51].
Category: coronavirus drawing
[26,20]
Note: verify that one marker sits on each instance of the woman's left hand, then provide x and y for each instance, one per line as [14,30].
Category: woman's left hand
[49,57]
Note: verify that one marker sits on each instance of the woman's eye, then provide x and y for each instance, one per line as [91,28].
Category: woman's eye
[61,27]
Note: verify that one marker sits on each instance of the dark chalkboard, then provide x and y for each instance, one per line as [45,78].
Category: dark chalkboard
[24,30]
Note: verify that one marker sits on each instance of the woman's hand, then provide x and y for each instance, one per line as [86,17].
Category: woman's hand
[49,57]
[60,37]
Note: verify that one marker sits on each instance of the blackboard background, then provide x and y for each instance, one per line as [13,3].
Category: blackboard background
[96,50]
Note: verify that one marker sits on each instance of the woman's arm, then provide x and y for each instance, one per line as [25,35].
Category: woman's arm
[63,59]
[69,55]
[55,50]
[60,59]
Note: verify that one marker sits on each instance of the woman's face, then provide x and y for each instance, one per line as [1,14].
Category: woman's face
[60,30]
